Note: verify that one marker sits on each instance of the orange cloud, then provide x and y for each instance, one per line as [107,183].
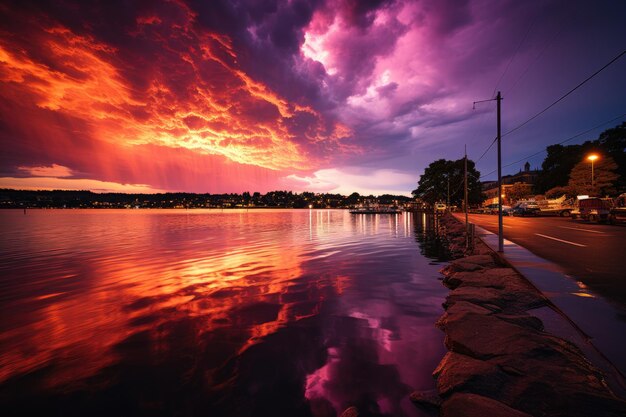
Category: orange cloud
[51,183]
[194,95]
[53,170]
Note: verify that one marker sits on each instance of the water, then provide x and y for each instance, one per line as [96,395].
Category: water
[216,313]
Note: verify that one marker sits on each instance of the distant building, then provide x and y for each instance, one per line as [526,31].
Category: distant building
[523,179]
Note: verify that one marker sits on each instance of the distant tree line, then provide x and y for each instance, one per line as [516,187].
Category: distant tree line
[281,199]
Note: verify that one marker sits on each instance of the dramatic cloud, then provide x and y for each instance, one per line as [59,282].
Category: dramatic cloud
[56,171]
[353,179]
[228,96]
[50,183]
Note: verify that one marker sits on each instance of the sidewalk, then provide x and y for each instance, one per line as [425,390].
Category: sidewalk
[589,321]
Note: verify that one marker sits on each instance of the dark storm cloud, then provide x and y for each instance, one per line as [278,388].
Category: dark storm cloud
[395,78]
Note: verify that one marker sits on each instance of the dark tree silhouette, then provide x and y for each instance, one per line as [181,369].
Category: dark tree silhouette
[433,184]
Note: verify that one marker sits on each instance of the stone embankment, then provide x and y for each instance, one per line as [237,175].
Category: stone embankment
[501,362]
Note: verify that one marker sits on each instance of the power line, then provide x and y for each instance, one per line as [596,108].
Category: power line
[568,93]
[546,44]
[519,45]
[559,143]
[487,150]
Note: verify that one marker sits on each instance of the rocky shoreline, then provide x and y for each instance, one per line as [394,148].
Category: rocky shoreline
[500,361]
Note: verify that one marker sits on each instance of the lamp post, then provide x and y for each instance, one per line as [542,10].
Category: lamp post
[592,158]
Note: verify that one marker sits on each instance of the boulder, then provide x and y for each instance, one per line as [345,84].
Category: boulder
[350,412]
[472,405]
[499,278]
[469,263]
[512,300]
[524,320]
[458,372]
[486,336]
[426,399]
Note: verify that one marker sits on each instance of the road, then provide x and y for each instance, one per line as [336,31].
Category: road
[594,254]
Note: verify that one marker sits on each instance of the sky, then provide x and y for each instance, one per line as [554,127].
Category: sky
[227,96]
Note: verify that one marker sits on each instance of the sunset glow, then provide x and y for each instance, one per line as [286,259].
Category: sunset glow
[179,96]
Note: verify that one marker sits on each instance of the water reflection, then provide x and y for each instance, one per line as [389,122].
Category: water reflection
[273,312]
[428,236]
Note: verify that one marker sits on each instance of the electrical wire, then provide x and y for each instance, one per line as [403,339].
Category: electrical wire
[487,150]
[519,45]
[559,143]
[546,45]
[567,94]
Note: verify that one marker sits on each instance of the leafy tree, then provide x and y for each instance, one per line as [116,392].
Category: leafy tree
[557,166]
[613,142]
[353,199]
[433,184]
[518,191]
[604,177]
[560,160]
[557,192]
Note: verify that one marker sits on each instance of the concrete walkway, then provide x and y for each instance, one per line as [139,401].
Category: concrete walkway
[589,321]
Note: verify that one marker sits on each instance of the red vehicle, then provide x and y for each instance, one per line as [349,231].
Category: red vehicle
[595,209]
[618,212]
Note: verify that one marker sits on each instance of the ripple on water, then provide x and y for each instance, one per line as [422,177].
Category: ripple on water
[267,312]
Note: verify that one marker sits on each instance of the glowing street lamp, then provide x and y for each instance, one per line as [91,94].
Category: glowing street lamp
[592,158]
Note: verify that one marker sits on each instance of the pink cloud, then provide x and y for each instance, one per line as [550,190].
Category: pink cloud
[54,170]
[51,183]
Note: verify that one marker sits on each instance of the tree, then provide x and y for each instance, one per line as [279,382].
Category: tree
[353,199]
[433,184]
[557,192]
[560,160]
[613,142]
[604,177]
[518,191]
[557,166]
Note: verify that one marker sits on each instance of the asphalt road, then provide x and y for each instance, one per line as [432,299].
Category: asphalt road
[594,254]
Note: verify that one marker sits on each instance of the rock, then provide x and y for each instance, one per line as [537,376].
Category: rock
[495,278]
[510,299]
[472,405]
[524,320]
[461,307]
[498,350]
[426,399]
[350,412]
[473,263]
[486,336]
[457,372]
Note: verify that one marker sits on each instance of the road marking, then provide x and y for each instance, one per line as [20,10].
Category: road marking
[496,225]
[582,230]
[561,240]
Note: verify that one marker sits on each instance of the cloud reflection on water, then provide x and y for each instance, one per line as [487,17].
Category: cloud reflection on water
[241,313]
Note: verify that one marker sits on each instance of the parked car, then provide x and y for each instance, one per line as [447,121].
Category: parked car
[595,209]
[493,209]
[618,212]
[525,208]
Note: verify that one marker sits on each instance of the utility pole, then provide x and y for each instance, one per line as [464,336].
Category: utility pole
[500,226]
[499,139]
[467,242]
[448,202]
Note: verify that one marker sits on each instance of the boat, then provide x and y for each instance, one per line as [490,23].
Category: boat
[375,210]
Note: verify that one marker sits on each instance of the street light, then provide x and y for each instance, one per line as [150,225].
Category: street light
[592,158]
